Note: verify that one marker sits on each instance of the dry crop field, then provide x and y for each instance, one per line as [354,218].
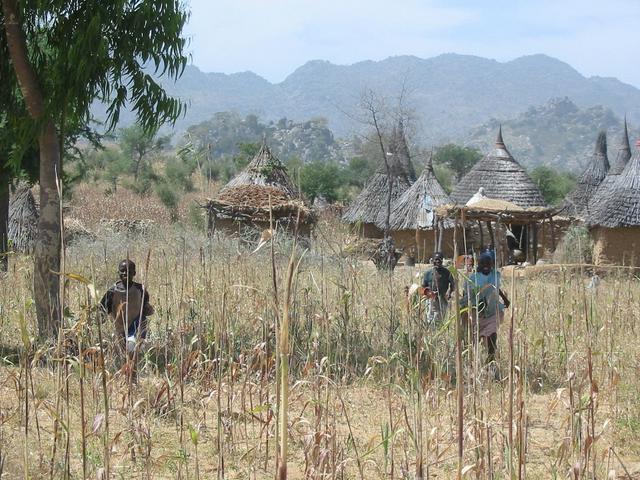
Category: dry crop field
[372,392]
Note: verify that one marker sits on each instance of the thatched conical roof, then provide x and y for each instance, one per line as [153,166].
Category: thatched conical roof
[577,202]
[264,169]
[624,152]
[415,208]
[398,148]
[263,189]
[622,158]
[619,206]
[372,200]
[23,220]
[501,177]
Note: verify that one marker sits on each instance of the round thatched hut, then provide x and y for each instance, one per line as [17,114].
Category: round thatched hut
[614,219]
[501,177]
[415,226]
[368,209]
[577,202]
[23,220]
[261,193]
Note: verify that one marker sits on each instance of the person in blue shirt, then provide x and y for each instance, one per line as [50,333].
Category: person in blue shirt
[482,291]
[438,285]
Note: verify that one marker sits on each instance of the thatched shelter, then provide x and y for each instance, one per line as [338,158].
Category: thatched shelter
[260,194]
[614,219]
[368,209]
[622,158]
[415,226]
[23,220]
[502,178]
[577,202]
[510,228]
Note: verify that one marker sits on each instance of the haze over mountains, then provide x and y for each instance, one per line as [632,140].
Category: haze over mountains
[455,98]
[451,94]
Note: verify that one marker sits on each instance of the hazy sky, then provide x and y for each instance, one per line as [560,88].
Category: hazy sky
[274,37]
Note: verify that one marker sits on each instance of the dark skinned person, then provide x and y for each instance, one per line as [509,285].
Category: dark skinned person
[127,302]
[438,286]
[482,291]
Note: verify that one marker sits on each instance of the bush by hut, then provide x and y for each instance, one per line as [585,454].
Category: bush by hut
[368,209]
[614,219]
[415,226]
[577,202]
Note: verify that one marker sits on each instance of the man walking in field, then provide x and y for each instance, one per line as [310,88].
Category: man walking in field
[438,286]
[482,292]
[128,304]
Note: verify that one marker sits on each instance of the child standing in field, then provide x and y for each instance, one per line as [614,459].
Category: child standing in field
[438,285]
[482,291]
[128,304]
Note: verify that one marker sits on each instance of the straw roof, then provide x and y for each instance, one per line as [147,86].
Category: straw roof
[400,150]
[622,158]
[619,206]
[577,202]
[415,208]
[502,178]
[263,189]
[256,202]
[264,169]
[23,220]
[372,200]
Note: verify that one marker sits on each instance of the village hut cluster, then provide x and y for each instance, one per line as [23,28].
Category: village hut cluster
[497,206]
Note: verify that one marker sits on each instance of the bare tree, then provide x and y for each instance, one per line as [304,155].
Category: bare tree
[380,117]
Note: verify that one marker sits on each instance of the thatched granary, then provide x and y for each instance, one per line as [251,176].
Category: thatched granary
[614,219]
[261,193]
[23,220]
[368,209]
[501,177]
[577,202]
[415,226]
[622,158]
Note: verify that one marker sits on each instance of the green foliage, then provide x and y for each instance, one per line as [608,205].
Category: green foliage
[169,198]
[553,184]
[575,247]
[197,217]
[459,159]
[445,176]
[322,179]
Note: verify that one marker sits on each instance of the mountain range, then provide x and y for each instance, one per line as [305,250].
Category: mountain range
[450,94]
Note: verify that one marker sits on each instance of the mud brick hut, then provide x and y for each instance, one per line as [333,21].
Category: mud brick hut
[518,207]
[614,220]
[262,193]
[415,226]
[617,166]
[576,205]
[368,209]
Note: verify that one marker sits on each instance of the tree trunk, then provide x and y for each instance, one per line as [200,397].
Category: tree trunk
[48,243]
[4,222]
[46,282]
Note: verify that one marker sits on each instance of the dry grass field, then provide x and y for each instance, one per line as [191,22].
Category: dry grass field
[373,393]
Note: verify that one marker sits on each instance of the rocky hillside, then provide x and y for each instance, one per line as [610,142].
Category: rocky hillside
[309,140]
[558,134]
[451,94]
